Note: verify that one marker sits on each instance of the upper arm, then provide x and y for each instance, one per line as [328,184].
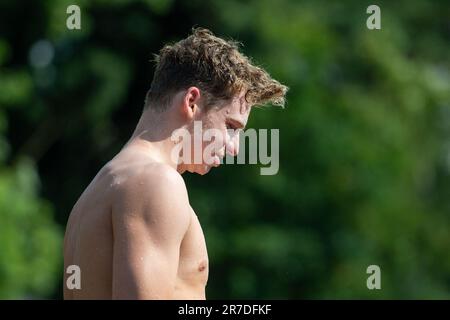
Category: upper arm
[150,217]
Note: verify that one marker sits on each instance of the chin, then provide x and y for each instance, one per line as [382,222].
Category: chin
[202,170]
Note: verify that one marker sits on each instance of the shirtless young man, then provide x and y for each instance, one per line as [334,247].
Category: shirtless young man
[133,233]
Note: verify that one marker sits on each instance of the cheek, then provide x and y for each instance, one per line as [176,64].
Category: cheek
[216,142]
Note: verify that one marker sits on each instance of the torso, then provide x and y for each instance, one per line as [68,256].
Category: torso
[88,244]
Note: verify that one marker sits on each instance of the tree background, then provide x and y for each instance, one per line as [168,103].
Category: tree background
[364,141]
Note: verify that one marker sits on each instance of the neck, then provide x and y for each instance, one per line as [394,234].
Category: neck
[153,134]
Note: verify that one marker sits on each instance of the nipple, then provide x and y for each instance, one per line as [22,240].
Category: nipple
[202,265]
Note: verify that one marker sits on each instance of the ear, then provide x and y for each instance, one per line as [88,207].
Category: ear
[191,102]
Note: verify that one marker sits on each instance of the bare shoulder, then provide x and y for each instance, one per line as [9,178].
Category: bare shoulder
[151,192]
[150,180]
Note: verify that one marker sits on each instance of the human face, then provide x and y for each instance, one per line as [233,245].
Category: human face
[221,127]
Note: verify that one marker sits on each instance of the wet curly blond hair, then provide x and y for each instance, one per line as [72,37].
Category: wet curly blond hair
[216,67]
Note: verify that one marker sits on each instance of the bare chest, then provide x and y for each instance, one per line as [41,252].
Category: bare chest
[193,265]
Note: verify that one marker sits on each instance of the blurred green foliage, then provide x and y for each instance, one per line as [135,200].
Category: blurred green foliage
[364,141]
[30,240]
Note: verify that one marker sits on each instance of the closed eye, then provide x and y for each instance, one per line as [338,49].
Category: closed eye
[234,125]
